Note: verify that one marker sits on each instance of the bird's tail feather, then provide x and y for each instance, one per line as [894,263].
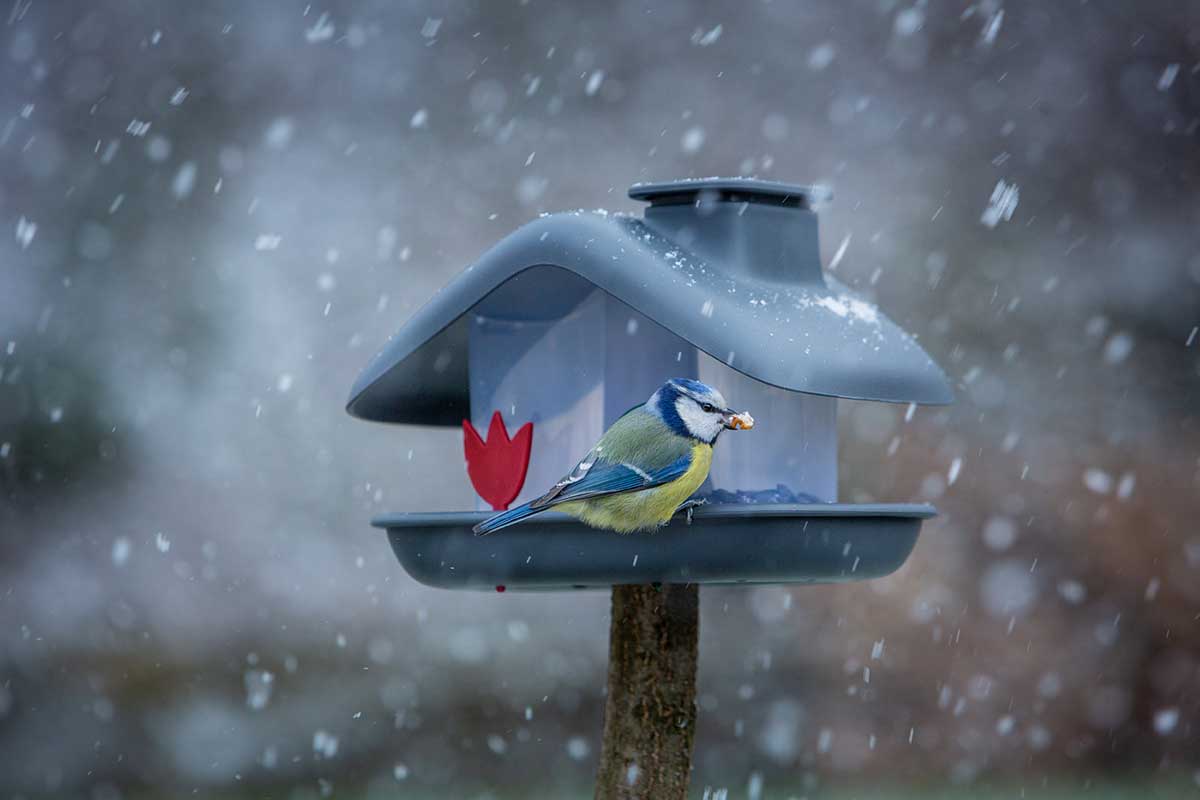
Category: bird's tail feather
[505,518]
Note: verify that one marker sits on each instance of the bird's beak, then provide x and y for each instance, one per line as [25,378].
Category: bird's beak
[738,422]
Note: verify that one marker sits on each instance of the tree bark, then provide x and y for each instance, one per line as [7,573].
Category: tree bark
[650,713]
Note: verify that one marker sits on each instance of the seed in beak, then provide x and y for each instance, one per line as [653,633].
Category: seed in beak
[739,422]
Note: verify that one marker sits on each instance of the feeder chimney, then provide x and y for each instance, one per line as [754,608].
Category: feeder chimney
[753,228]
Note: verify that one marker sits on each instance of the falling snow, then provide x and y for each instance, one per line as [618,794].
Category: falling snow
[26,230]
[840,253]
[1097,480]
[324,744]
[578,748]
[121,548]
[594,82]
[1168,77]
[692,140]
[704,38]
[1001,204]
[184,180]
[821,56]
[909,21]
[1165,721]
[1008,589]
[1118,348]
[991,30]
[259,684]
[999,533]
[1072,591]
[431,27]
[321,31]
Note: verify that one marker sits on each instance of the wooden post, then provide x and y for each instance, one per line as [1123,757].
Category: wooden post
[650,713]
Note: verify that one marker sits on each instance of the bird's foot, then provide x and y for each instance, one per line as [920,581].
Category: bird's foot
[689,506]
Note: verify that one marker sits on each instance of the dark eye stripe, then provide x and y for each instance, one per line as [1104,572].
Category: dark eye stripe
[704,405]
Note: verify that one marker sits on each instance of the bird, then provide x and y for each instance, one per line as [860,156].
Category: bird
[645,466]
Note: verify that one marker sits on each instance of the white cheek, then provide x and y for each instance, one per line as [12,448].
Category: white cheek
[702,426]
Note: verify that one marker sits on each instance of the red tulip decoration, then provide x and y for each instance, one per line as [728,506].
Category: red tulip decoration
[498,465]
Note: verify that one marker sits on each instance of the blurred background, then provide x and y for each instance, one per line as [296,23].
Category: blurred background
[214,214]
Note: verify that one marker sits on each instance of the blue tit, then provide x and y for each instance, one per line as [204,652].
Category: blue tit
[645,466]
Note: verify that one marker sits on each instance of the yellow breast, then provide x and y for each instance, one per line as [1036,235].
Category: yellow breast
[697,472]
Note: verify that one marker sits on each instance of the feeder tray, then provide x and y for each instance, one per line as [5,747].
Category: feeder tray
[719,274]
[724,544]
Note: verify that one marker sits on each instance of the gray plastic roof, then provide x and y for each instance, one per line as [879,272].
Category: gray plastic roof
[729,265]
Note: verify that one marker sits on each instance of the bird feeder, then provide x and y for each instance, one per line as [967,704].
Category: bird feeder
[573,319]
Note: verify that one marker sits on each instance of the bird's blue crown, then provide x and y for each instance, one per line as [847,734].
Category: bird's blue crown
[662,403]
[695,388]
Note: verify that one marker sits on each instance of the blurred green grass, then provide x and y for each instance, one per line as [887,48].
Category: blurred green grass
[1083,789]
[1157,787]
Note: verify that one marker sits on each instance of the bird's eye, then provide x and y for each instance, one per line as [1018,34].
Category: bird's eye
[707,408]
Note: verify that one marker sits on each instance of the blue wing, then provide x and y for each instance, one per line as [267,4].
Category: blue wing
[599,477]
[592,477]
